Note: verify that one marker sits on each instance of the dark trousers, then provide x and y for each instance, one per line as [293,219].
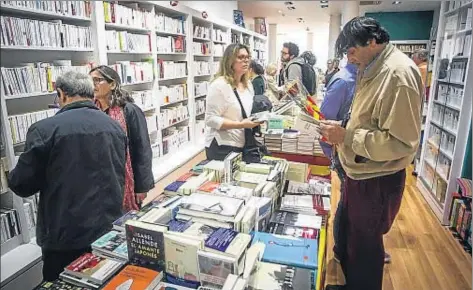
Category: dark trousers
[339,243]
[219,152]
[55,261]
[370,207]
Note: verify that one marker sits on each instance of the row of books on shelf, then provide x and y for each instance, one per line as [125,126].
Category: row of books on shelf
[172,94]
[450,95]
[447,117]
[171,44]
[216,66]
[36,77]
[201,32]
[123,41]
[68,8]
[175,138]
[200,106]
[460,215]
[201,68]
[442,140]
[201,88]
[213,234]
[452,5]
[410,47]
[19,124]
[456,46]
[35,33]
[201,48]
[131,72]
[143,99]
[259,45]
[219,49]
[171,69]
[219,35]
[3,175]
[173,115]
[10,224]
[169,24]
[30,206]
[128,16]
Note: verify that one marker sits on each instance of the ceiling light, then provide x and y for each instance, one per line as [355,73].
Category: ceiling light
[279,11]
[397,2]
[323,2]
[324,6]
[291,7]
[288,3]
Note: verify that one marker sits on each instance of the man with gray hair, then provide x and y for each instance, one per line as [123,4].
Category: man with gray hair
[76,161]
[421,59]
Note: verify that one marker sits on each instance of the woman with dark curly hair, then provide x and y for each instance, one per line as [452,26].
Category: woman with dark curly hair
[117,103]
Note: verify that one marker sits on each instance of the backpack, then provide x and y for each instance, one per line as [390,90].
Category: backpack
[308,77]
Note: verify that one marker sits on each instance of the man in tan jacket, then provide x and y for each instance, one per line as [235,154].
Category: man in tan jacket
[375,144]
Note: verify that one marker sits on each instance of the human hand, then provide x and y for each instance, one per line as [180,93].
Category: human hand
[332,131]
[249,124]
[140,197]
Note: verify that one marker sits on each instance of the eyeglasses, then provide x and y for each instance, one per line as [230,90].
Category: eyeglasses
[98,80]
[243,57]
[284,53]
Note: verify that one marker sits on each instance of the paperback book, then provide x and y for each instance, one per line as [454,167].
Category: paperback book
[145,244]
[135,278]
[112,244]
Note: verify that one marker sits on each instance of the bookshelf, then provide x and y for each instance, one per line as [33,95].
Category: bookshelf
[106,40]
[410,46]
[449,110]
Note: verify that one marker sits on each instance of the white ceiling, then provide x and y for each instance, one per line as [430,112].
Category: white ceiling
[313,15]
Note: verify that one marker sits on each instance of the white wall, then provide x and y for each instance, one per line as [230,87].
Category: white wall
[220,9]
[299,37]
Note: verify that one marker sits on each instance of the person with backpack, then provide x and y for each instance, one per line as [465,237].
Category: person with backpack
[296,68]
[257,78]
[311,60]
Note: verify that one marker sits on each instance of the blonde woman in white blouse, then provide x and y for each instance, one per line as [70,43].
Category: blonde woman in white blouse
[223,114]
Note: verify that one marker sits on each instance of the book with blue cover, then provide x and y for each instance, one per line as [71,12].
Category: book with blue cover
[112,244]
[286,250]
[172,188]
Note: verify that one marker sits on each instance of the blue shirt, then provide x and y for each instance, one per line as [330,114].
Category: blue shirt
[338,98]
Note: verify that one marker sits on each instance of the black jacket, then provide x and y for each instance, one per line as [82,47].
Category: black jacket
[140,148]
[258,85]
[76,160]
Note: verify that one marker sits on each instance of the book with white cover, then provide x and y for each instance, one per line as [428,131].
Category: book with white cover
[214,268]
[211,206]
[234,191]
[181,259]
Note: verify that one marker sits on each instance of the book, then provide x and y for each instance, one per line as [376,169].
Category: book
[145,244]
[80,282]
[173,188]
[135,278]
[230,282]
[181,260]
[227,242]
[296,219]
[270,276]
[169,286]
[119,224]
[93,268]
[290,251]
[211,206]
[160,216]
[314,187]
[112,244]
[59,285]
[214,268]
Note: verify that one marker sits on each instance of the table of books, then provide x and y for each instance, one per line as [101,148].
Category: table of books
[223,225]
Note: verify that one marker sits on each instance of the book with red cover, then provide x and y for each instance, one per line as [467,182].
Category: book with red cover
[94,268]
[135,278]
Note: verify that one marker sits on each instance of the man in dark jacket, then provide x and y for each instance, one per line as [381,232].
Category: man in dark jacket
[76,160]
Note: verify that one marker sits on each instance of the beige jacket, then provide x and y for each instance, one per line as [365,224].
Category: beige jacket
[385,121]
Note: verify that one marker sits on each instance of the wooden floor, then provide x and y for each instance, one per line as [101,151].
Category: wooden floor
[424,253]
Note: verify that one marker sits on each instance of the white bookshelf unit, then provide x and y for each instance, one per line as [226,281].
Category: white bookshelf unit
[171,85]
[449,110]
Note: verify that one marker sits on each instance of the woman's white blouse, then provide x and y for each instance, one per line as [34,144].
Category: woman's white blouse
[223,104]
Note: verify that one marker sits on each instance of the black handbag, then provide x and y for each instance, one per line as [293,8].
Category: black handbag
[253,150]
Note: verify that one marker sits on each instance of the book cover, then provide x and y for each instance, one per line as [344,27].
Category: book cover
[221,207]
[119,224]
[296,219]
[145,244]
[286,250]
[134,278]
[214,269]
[173,187]
[113,242]
[169,286]
[228,242]
[270,276]
[59,285]
[93,268]
[181,260]
[304,232]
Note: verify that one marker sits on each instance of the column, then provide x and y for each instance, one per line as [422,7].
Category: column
[334,31]
[310,41]
[272,42]
[351,9]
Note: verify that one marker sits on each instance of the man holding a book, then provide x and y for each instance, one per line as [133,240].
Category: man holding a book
[76,160]
[375,144]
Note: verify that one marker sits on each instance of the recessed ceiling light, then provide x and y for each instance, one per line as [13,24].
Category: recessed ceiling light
[291,7]
[323,2]
[397,2]
[323,5]
[279,11]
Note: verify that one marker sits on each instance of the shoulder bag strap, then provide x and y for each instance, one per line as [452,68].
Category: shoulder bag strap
[243,112]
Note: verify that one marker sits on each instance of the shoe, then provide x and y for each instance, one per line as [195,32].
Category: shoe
[387,258]
[335,287]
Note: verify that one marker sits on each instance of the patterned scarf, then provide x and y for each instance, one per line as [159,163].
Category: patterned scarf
[129,199]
